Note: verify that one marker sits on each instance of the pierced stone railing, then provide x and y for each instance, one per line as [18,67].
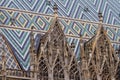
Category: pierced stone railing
[18,74]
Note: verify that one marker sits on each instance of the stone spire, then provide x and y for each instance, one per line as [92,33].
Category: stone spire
[33,56]
[84,64]
[100,17]
[32,49]
[55,8]
[101,28]
[81,48]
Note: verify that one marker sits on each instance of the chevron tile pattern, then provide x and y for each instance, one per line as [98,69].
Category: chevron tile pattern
[80,9]
[11,62]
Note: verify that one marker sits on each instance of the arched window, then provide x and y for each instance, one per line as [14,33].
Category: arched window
[74,72]
[43,70]
[58,72]
[118,72]
[93,75]
[105,72]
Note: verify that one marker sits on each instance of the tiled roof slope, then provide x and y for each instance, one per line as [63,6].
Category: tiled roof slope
[11,62]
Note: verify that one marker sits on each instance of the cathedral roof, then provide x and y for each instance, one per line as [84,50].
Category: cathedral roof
[11,61]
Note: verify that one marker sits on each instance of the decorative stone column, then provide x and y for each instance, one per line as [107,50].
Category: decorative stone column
[66,73]
[50,73]
[112,78]
[98,77]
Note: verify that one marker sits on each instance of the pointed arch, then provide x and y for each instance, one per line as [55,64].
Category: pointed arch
[117,75]
[58,71]
[93,75]
[105,72]
[74,73]
[43,69]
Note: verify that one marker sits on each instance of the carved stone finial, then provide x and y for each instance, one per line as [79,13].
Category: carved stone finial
[81,39]
[32,50]
[32,27]
[12,20]
[72,45]
[100,17]
[32,34]
[82,56]
[55,8]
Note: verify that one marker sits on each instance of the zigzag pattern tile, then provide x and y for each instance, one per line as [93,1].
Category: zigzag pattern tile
[10,60]
[19,40]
